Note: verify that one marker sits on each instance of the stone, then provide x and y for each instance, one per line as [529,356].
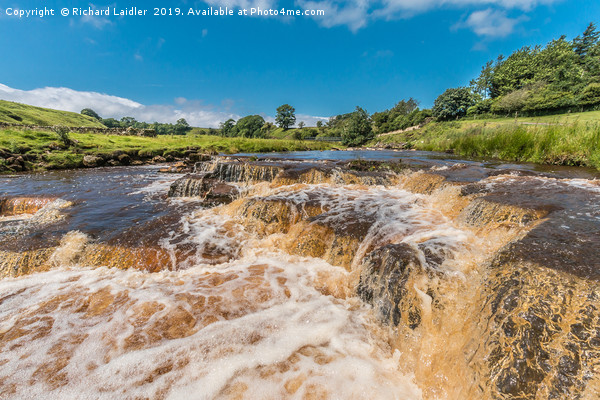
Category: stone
[92,161]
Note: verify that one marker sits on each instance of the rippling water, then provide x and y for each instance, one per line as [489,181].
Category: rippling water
[239,306]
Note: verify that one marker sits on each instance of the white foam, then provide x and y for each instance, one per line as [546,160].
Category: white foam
[293,322]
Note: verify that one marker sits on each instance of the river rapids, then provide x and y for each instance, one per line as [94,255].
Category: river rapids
[301,279]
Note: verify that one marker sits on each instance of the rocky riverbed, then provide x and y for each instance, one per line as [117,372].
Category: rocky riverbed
[248,278]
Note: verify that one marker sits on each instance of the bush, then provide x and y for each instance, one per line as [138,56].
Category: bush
[453,103]
[357,129]
[63,135]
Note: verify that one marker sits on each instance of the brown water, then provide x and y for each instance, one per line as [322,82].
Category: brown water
[445,280]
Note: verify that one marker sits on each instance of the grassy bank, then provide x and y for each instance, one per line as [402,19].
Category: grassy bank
[570,139]
[44,150]
[16,113]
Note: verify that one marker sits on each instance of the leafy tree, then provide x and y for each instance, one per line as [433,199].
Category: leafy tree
[301,124]
[357,129]
[266,128]
[586,42]
[111,123]
[127,121]
[91,113]
[182,127]
[286,116]
[395,118]
[453,103]
[483,83]
[319,124]
[249,126]
[227,127]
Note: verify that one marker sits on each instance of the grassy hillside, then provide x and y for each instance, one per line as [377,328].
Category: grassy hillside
[568,139]
[44,150]
[16,113]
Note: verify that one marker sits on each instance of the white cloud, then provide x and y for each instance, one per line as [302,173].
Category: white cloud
[356,14]
[491,23]
[352,13]
[196,113]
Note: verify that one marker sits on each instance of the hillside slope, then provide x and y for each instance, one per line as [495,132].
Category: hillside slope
[17,113]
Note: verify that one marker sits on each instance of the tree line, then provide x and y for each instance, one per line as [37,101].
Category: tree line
[561,76]
[181,127]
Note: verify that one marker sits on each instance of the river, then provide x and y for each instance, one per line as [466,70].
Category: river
[302,275]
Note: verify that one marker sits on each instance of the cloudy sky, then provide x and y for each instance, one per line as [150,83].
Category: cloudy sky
[209,68]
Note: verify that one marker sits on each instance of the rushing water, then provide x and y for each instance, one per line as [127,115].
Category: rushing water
[253,299]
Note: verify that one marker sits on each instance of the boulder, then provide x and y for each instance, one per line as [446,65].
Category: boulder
[92,161]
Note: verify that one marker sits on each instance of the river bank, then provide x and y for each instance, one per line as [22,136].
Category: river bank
[560,140]
[37,151]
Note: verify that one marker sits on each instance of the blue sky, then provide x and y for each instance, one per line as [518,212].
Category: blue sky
[209,68]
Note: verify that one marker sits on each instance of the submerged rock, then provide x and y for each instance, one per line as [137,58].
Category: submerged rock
[23,205]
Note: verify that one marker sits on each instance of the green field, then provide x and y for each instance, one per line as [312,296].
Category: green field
[44,150]
[16,113]
[567,139]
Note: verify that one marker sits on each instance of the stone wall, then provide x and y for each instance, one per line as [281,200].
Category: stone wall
[83,129]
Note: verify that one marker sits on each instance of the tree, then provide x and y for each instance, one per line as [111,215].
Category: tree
[111,123]
[453,103]
[286,116]
[301,124]
[227,127]
[482,85]
[584,43]
[266,128]
[127,121]
[249,126]
[319,124]
[182,127]
[357,129]
[91,113]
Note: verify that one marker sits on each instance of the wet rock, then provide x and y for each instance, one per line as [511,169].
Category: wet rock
[124,159]
[330,237]
[159,160]
[17,263]
[423,183]
[245,172]
[92,161]
[210,190]
[23,205]
[176,168]
[265,215]
[491,212]
[540,330]
[386,280]
[198,157]
[144,258]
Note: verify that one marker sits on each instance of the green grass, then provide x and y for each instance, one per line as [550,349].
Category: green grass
[570,139]
[16,113]
[46,148]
